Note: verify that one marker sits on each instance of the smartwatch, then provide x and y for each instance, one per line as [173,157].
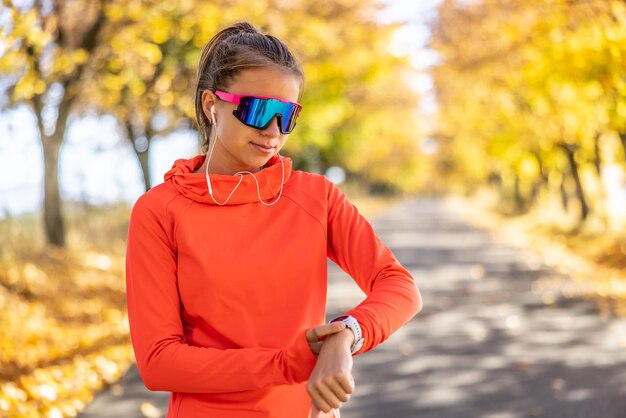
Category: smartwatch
[354,326]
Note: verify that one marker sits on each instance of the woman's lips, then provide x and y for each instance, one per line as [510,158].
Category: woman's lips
[262,148]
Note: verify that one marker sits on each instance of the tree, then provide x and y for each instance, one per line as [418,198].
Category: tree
[136,60]
[526,91]
[48,48]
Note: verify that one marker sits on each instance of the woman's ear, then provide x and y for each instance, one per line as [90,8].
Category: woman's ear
[209,99]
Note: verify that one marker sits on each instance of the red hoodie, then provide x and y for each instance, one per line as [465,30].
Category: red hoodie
[220,297]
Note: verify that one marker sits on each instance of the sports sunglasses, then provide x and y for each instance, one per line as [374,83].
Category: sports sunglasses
[259,111]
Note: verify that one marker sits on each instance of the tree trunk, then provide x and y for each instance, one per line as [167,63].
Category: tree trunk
[542,182]
[622,137]
[597,158]
[518,198]
[542,169]
[580,194]
[54,222]
[142,155]
[145,167]
[53,213]
[564,197]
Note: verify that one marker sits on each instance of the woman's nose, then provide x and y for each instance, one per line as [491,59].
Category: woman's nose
[272,129]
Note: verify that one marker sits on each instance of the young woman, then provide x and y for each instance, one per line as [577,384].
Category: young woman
[226,266]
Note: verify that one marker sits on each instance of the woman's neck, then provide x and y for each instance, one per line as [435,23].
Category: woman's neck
[216,170]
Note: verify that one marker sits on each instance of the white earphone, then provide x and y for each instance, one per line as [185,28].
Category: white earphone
[213,114]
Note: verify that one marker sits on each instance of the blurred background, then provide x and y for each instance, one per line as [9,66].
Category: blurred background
[517,107]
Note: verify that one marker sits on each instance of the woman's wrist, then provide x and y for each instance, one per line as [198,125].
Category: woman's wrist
[345,336]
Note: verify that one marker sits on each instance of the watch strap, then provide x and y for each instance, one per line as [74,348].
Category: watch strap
[354,326]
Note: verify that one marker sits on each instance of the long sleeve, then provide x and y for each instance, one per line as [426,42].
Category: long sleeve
[392,296]
[165,361]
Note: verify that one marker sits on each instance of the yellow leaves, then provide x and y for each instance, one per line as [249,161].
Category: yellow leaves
[12,391]
[64,389]
[148,410]
[185,34]
[163,84]
[593,90]
[331,113]
[619,11]
[114,11]
[28,86]
[116,64]
[137,86]
[67,340]
[200,40]
[80,56]
[119,44]
[149,51]
[167,99]
[66,61]
[188,109]
[112,82]
[621,109]
[344,56]
[96,260]
[557,35]
[135,10]
[158,28]
[28,25]
[528,167]
[12,61]
[564,81]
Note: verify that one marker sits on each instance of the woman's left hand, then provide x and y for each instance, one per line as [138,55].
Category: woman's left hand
[315,336]
[331,382]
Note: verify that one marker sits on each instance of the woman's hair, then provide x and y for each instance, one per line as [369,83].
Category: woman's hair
[231,50]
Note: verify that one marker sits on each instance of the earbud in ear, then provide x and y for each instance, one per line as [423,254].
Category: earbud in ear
[213,114]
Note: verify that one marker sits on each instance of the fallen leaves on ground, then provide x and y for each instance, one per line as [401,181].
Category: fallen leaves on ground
[64,325]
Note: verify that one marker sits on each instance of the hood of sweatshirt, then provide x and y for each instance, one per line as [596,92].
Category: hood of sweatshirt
[194,185]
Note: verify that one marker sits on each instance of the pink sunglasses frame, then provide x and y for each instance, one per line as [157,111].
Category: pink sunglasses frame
[236,98]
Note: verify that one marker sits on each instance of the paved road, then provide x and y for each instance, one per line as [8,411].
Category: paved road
[485,345]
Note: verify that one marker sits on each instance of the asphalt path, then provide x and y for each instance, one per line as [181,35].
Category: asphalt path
[486,344]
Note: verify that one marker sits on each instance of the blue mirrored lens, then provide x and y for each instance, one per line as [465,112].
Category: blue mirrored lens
[259,113]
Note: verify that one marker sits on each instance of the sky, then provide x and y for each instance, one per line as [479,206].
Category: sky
[97,169]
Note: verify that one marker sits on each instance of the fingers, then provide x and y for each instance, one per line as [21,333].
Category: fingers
[311,335]
[331,381]
[315,336]
[331,393]
[318,333]
[316,347]
[347,384]
[329,329]
[325,399]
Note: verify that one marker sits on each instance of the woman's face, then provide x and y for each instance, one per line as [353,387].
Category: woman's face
[238,147]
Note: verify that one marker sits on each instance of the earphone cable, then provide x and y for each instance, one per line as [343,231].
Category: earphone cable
[240,173]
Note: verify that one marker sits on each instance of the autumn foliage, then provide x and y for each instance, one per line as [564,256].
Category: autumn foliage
[532,101]
[64,323]
[62,297]
[136,60]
